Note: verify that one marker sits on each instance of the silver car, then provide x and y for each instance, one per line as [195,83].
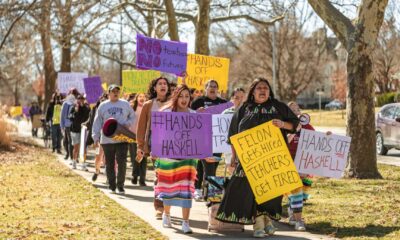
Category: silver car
[388,128]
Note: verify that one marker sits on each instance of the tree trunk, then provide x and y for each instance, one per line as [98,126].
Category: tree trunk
[16,93]
[203,28]
[50,74]
[361,115]
[172,24]
[66,43]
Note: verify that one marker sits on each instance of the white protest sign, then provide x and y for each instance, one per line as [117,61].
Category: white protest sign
[321,154]
[68,80]
[82,145]
[220,129]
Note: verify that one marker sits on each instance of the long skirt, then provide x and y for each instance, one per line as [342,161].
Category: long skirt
[175,186]
[239,206]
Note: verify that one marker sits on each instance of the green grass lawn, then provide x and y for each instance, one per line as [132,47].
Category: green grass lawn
[42,199]
[356,209]
[329,118]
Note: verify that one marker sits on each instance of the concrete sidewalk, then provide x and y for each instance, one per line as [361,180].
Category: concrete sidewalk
[139,201]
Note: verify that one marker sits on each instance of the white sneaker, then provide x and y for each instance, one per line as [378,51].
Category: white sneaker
[186,228]
[73,164]
[292,221]
[83,167]
[300,226]
[166,220]
[198,195]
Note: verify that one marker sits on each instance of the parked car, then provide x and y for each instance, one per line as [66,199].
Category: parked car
[334,105]
[387,124]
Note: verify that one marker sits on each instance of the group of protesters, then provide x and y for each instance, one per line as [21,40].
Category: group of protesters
[179,181]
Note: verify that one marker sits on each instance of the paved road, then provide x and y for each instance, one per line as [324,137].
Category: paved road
[139,201]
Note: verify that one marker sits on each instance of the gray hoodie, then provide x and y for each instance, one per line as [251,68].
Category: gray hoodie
[120,110]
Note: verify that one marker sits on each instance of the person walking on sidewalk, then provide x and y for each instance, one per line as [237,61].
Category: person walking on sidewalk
[176,177]
[138,166]
[65,122]
[53,115]
[158,93]
[78,115]
[206,168]
[238,204]
[121,111]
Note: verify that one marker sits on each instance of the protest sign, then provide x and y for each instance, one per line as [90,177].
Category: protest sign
[16,111]
[36,122]
[218,109]
[266,160]
[104,86]
[25,111]
[201,68]
[181,135]
[321,154]
[93,88]
[220,129]
[68,80]
[161,55]
[56,114]
[137,81]
[82,144]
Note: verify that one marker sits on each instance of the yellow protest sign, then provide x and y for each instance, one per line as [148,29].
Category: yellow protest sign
[137,81]
[56,114]
[16,111]
[201,68]
[266,160]
[104,86]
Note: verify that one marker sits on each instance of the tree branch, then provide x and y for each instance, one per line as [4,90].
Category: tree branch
[248,18]
[337,22]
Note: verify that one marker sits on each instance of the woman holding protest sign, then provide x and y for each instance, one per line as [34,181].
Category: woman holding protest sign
[207,167]
[238,204]
[176,177]
[158,92]
[138,168]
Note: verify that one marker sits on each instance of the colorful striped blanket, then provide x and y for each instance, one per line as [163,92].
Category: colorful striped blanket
[175,178]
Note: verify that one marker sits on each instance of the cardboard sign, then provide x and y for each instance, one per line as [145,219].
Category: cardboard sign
[68,80]
[16,111]
[93,88]
[321,154]
[218,109]
[161,55]
[137,81]
[201,68]
[266,160]
[82,144]
[36,122]
[220,129]
[181,135]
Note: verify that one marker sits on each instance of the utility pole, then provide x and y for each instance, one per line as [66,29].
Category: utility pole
[121,52]
[274,85]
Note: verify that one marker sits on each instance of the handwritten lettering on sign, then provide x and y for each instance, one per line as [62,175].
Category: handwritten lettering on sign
[161,55]
[201,68]
[181,135]
[220,129]
[137,81]
[266,160]
[321,154]
[68,80]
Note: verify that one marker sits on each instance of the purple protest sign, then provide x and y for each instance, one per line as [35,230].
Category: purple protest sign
[161,55]
[93,88]
[25,111]
[218,109]
[181,135]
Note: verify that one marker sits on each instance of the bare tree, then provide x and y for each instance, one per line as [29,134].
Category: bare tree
[359,37]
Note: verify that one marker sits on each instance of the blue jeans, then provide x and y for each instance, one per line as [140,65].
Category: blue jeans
[56,136]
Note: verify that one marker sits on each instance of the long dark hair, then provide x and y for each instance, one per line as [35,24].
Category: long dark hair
[173,104]
[152,93]
[250,96]
[136,101]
